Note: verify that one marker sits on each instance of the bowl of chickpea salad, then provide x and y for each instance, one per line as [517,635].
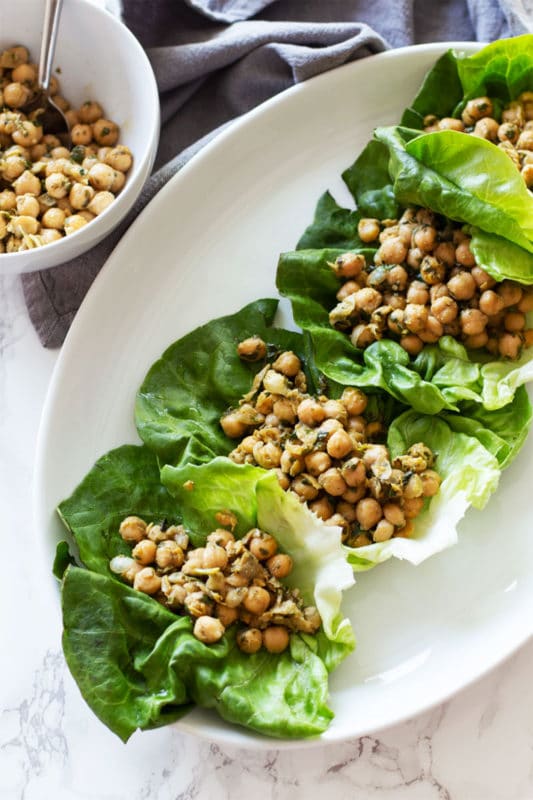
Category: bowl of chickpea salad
[60,198]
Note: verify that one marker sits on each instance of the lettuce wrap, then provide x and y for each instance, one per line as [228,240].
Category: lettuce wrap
[462,177]
[137,664]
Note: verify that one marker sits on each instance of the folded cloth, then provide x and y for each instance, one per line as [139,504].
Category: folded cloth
[216,59]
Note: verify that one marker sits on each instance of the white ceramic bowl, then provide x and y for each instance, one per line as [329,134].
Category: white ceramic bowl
[97,58]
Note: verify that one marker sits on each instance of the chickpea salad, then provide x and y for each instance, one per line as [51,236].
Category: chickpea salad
[210,561]
[425,288]
[47,190]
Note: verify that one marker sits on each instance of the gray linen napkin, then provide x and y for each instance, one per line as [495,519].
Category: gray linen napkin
[216,59]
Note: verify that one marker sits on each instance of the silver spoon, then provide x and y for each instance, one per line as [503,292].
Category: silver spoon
[50,116]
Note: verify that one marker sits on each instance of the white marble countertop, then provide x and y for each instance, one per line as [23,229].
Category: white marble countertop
[477,746]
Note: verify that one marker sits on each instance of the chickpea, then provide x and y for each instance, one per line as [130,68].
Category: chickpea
[13,56]
[279,565]
[8,200]
[486,128]
[144,552]
[362,336]
[527,174]
[346,511]
[368,229]
[525,140]
[462,286]
[384,531]
[510,345]
[227,616]
[412,344]
[81,134]
[27,134]
[73,223]
[276,639]
[16,94]
[72,118]
[288,364]
[350,287]
[473,321]
[368,512]
[444,309]
[424,238]
[393,251]
[412,507]
[450,124]
[463,254]
[445,252]
[263,546]
[257,600]
[354,400]
[28,205]
[476,109]
[100,202]
[528,337]
[252,349]
[169,554]
[23,225]
[491,303]
[90,111]
[101,177]
[305,486]
[283,480]
[414,258]
[394,514]
[208,629]
[418,293]
[339,444]
[24,73]
[397,278]
[367,300]
[414,487]
[510,293]
[53,218]
[156,534]
[323,508]
[316,463]
[80,196]
[104,132]
[525,304]
[125,566]
[353,472]
[57,185]
[250,640]
[482,278]
[267,454]
[514,321]
[147,581]
[415,317]
[432,271]
[49,235]
[396,323]
[27,183]
[430,482]
[332,482]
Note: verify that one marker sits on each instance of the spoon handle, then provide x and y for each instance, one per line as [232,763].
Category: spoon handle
[52,13]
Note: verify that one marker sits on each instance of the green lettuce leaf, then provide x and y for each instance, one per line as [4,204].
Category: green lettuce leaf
[470,474]
[200,376]
[255,497]
[123,482]
[439,379]
[137,664]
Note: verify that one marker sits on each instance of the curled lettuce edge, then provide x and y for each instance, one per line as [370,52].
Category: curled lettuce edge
[470,475]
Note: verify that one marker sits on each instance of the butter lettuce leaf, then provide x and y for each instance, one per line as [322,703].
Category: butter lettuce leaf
[470,474]
[439,379]
[137,664]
